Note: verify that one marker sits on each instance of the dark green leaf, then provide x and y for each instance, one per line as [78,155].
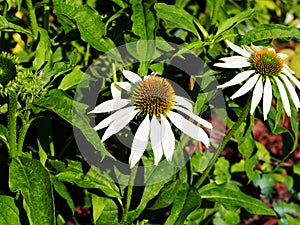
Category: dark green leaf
[61,189]
[60,103]
[43,51]
[31,178]
[9,213]
[232,196]
[216,11]
[270,31]
[91,179]
[176,17]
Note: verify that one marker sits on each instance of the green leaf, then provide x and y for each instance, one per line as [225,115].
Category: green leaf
[230,195]
[143,19]
[107,209]
[3,134]
[43,51]
[233,21]
[266,183]
[90,26]
[227,217]
[31,178]
[9,213]
[74,113]
[270,31]
[216,11]
[221,171]
[286,207]
[188,199]
[5,25]
[61,189]
[71,79]
[92,178]
[176,17]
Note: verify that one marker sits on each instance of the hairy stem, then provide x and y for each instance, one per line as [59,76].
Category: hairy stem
[228,136]
[12,124]
[33,20]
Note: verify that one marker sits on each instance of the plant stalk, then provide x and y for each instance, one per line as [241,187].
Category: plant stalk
[12,124]
[228,136]
[129,194]
[33,20]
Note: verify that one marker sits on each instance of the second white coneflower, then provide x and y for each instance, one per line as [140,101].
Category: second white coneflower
[152,98]
[266,68]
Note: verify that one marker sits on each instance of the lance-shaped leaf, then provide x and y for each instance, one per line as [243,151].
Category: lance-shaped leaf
[9,213]
[31,178]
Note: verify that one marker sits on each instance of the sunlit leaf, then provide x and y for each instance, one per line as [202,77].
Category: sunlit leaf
[9,213]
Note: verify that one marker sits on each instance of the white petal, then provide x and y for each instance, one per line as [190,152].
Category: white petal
[181,101]
[110,105]
[292,78]
[284,97]
[238,49]
[267,98]
[238,78]
[117,86]
[189,128]
[246,87]
[140,142]
[257,95]
[116,115]
[291,90]
[155,137]
[195,117]
[118,124]
[167,138]
[233,62]
[282,56]
[132,77]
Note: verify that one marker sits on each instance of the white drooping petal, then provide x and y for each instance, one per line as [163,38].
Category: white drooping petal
[284,97]
[118,124]
[189,128]
[282,56]
[132,77]
[267,97]
[116,115]
[195,117]
[288,68]
[155,137]
[233,62]
[238,78]
[181,101]
[140,142]
[167,138]
[238,49]
[246,87]
[291,90]
[257,95]
[116,88]
[291,77]
[110,105]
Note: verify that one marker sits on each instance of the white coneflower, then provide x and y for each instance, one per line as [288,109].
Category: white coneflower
[266,68]
[154,99]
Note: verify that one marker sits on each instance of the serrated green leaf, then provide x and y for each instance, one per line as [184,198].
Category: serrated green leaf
[43,53]
[90,179]
[286,207]
[270,31]
[61,189]
[33,181]
[74,113]
[227,195]
[9,213]
[176,17]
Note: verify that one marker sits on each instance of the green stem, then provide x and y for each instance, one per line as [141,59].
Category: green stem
[129,193]
[228,136]
[23,132]
[33,20]
[12,124]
